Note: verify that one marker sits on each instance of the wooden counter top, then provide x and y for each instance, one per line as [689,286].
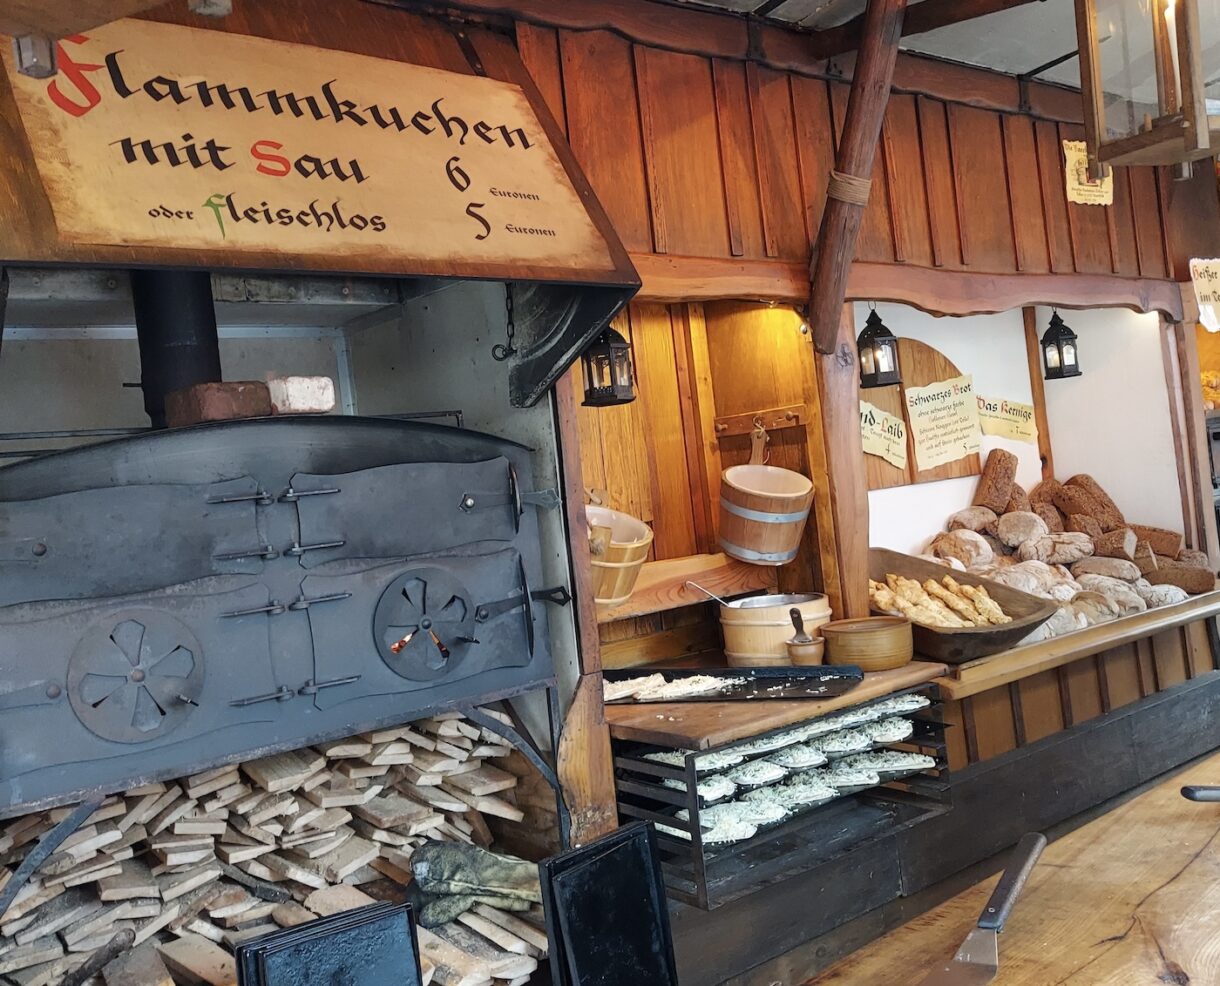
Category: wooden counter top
[702,725]
[1021,662]
[1130,898]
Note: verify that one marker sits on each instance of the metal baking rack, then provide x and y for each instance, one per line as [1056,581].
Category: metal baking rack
[709,876]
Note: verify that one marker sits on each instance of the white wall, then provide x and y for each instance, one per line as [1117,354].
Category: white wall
[992,349]
[1113,421]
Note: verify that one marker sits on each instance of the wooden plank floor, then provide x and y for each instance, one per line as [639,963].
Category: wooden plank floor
[1132,898]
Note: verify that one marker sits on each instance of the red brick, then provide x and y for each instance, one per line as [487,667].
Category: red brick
[217,402]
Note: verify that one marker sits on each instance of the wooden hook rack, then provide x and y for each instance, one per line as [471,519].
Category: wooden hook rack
[792,416]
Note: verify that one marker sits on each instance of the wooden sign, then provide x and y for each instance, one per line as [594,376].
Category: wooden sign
[1081,188]
[883,435]
[160,135]
[1008,419]
[944,420]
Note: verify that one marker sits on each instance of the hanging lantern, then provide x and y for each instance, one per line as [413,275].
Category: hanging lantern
[1060,357]
[608,372]
[1144,77]
[878,350]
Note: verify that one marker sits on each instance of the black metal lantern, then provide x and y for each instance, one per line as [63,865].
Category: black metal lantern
[608,372]
[1060,356]
[878,350]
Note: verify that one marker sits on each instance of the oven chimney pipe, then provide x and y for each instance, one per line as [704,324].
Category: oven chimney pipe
[176,328]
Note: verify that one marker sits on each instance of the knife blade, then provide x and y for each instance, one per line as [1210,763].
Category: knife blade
[977,961]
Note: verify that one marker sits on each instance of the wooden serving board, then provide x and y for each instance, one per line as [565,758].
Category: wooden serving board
[701,726]
[955,645]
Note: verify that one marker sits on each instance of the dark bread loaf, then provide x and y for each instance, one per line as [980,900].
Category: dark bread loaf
[1117,544]
[995,484]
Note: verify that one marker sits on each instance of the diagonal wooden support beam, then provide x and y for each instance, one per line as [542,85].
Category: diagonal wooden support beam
[848,191]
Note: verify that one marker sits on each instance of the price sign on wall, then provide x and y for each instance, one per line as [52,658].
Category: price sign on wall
[944,421]
[160,135]
[883,435]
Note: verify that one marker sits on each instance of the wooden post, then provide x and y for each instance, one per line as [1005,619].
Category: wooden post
[1033,355]
[839,388]
[848,190]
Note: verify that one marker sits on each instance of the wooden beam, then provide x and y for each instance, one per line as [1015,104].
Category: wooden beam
[585,764]
[838,378]
[921,18]
[724,35]
[938,291]
[578,528]
[841,218]
[951,292]
[1033,355]
[60,18]
[1022,662]
[1199,471]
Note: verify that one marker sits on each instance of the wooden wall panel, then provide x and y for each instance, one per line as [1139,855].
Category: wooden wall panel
[815,144]
[982,192]
[876,242]
[1123,248]
[604,129]
[938,175]
[989,718]
[1054,197]
[681,153]
[1148,222]
[737,160]
[1122,675]
[1084,689]
[1025,194]
[1087,225]
[1041,709]
[539,48]
[908,192]
[738,155]
[661,416]
[779,180]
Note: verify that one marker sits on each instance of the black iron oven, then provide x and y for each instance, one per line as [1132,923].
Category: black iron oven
[179,599]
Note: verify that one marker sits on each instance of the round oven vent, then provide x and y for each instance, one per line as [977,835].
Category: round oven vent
[136,676]
[423,624]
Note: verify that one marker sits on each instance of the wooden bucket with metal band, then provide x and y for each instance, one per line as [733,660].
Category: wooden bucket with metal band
[763,510]
[616,569]
[757,629]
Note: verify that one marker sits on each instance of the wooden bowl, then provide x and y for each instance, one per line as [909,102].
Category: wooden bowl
[805,655]
[954,645]
[873,643]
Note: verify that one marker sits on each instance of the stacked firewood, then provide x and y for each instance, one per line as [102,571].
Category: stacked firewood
[195,866]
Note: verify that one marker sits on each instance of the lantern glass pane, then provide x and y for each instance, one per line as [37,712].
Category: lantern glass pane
[1209,44]
[601,371]
[1052,356]
[885,357]
[867,362]
[1128,64]
[1069,354]
[622,369]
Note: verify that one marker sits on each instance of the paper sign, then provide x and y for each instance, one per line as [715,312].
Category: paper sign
[944,421]
[883,434]
[1205,275]
[1008,419]
[1081,189]
[159,135]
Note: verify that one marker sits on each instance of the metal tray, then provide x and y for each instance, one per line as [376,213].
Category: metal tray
[760,683]
[957,645]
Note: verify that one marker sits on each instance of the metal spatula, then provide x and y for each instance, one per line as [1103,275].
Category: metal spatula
[978,960]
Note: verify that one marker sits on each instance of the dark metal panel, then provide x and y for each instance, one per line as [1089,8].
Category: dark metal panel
[420,507]
[121,540]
